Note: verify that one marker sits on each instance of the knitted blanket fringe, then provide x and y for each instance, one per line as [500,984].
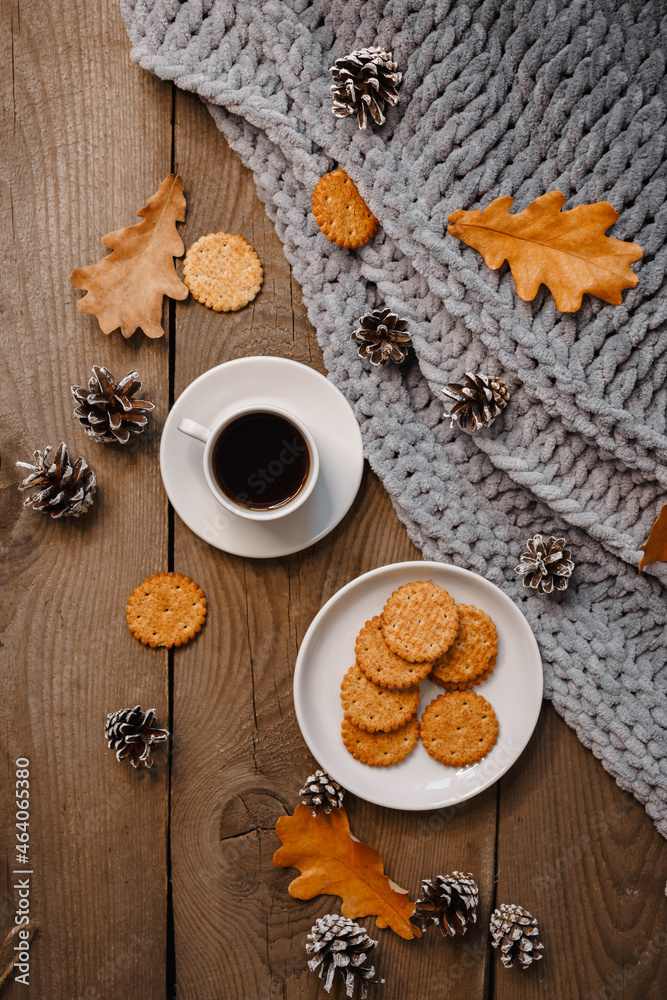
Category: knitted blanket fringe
[497,98]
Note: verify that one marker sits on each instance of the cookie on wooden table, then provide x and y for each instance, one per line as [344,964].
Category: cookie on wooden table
[459,728]
[341,212]
[471,657]
[420,621]
[223,271]
[374,708]
[168,609]
[380,749]
[380,665]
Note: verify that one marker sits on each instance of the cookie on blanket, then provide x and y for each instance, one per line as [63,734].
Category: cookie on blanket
[341,212]
[374,708]
[459,728]
[223,271]
[472,655]
[420,621]
[380,665]
[167,609]
[380,749]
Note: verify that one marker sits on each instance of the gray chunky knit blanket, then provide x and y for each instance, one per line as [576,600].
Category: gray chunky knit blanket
[498,97]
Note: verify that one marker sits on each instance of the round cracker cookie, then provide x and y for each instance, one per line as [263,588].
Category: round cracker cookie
[341,212]
[420,621]
[470,657]
[223,271]
[168,609]
[380,749]
[380,665]
[469,685]
[459,728]
[373,708]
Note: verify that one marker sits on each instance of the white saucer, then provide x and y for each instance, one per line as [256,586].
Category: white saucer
[305,393]
[514,689]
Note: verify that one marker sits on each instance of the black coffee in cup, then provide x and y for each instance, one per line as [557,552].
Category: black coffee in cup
[260,460]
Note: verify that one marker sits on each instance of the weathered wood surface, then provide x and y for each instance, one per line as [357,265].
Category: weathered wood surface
[87,137]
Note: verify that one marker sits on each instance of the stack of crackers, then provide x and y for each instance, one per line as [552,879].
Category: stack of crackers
[421,633]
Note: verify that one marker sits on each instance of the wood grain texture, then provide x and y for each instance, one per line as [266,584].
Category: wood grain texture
[87,137]
[73,167]
[236,928]
[232,690]
[583,857]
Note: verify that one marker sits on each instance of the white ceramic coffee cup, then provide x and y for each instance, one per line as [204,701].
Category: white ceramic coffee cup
[210,435]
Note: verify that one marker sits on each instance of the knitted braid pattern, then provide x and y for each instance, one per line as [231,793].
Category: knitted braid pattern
[496,98]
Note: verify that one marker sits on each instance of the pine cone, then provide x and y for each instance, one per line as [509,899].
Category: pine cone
[382,337]
[62,489]
[106,409]
[448,900]
[132,733]
[321,791]
[546,566]
[514,930]
[478,401]
[363,81]
[338,943]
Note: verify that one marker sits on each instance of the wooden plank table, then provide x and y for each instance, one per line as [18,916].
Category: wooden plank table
[160,884]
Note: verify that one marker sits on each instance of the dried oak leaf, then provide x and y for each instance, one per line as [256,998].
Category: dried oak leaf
[126,287]
[332,862]
[566,251]
[655,546]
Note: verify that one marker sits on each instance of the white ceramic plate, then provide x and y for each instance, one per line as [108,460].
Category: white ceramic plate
[309,396]
[419,782]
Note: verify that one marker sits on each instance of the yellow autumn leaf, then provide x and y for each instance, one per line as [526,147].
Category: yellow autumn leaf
[566,251]
[126,287]
[333,862]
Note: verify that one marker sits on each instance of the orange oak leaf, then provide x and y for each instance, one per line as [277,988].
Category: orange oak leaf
[655,546]
[566,251]
[332,862]
[126,287]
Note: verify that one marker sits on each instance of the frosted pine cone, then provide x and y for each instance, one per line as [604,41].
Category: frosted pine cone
[546,566]
[107,410]
[364,81]
[132,733]
[515,931]
[339,943]
[61,488]
[321,792]
[478,401]
[382,337]
[448,900]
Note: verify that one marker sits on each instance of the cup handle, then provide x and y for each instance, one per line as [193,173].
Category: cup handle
[194,430]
